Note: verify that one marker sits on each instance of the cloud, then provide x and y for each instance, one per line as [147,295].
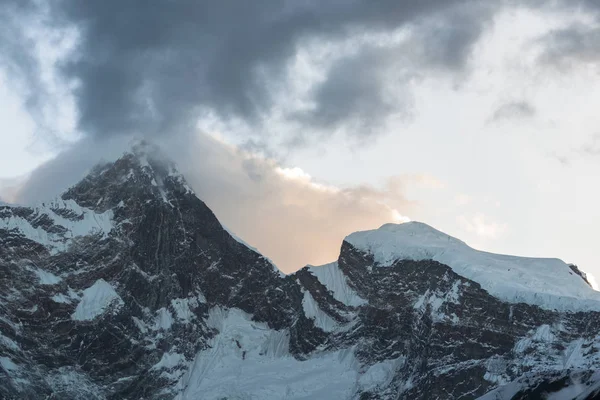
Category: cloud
[589,148]
[156,67]
[282,211]
[562,159]
[9,189]
[354,95]
[481,225]
[567,47]
[462,199]
[29,52]
[513,110]
[425,181]
[371,85]
[576,42]
[592,146]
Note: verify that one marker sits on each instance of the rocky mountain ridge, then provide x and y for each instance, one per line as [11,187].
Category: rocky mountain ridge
[128,287]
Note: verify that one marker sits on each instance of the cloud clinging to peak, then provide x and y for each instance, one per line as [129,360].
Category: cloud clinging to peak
[283,211]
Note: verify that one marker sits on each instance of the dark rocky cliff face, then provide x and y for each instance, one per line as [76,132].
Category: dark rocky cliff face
[97,287]
[454,339]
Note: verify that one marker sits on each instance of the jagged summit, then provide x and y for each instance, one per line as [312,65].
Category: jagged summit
[143,171]
[151,156]
[547,282]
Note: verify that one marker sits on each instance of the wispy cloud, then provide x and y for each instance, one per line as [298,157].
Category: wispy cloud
[592,146]
[513,110]
[481,225]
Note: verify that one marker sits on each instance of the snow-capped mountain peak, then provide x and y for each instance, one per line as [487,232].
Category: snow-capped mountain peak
[546,282]
[143,171]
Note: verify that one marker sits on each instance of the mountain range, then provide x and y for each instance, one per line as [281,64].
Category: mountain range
[127,286]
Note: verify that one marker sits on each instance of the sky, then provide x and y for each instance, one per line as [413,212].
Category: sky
[301,122]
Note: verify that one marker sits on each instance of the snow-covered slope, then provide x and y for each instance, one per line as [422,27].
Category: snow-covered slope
[332,278]
[545,282]
[54,224]
[565,385]
[95,300]
[247,360]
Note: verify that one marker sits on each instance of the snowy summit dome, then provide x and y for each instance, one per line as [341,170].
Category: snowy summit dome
[546,282]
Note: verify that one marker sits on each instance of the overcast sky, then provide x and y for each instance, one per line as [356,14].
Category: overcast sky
[300,122]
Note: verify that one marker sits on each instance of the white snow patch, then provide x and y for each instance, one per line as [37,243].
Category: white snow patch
[247,360]
[182,309]
[379,375]
[312,310]
[69,381]
[429,298]
[161,189]
[8,365]
[174,173]
[573,355]
[436,299]
[90,223]
[454,294]
[496,368]
[45,277]
[140,324]
[334,279]
[163,320]
[503,392]
[545,282]
[576,389]
[96,300]
[200,297]
[168,362]
[8,343]
[61,298]
[542,334]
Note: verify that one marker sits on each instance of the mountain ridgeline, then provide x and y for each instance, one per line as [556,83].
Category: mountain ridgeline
[127,287]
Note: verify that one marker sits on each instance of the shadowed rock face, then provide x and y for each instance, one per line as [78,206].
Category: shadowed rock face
[98,286]
[456,341]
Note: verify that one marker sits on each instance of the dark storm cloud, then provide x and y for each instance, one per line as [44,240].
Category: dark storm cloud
[445,40]
[353,94]
[513,110]
[363,89]
[577,43]
[155,66]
